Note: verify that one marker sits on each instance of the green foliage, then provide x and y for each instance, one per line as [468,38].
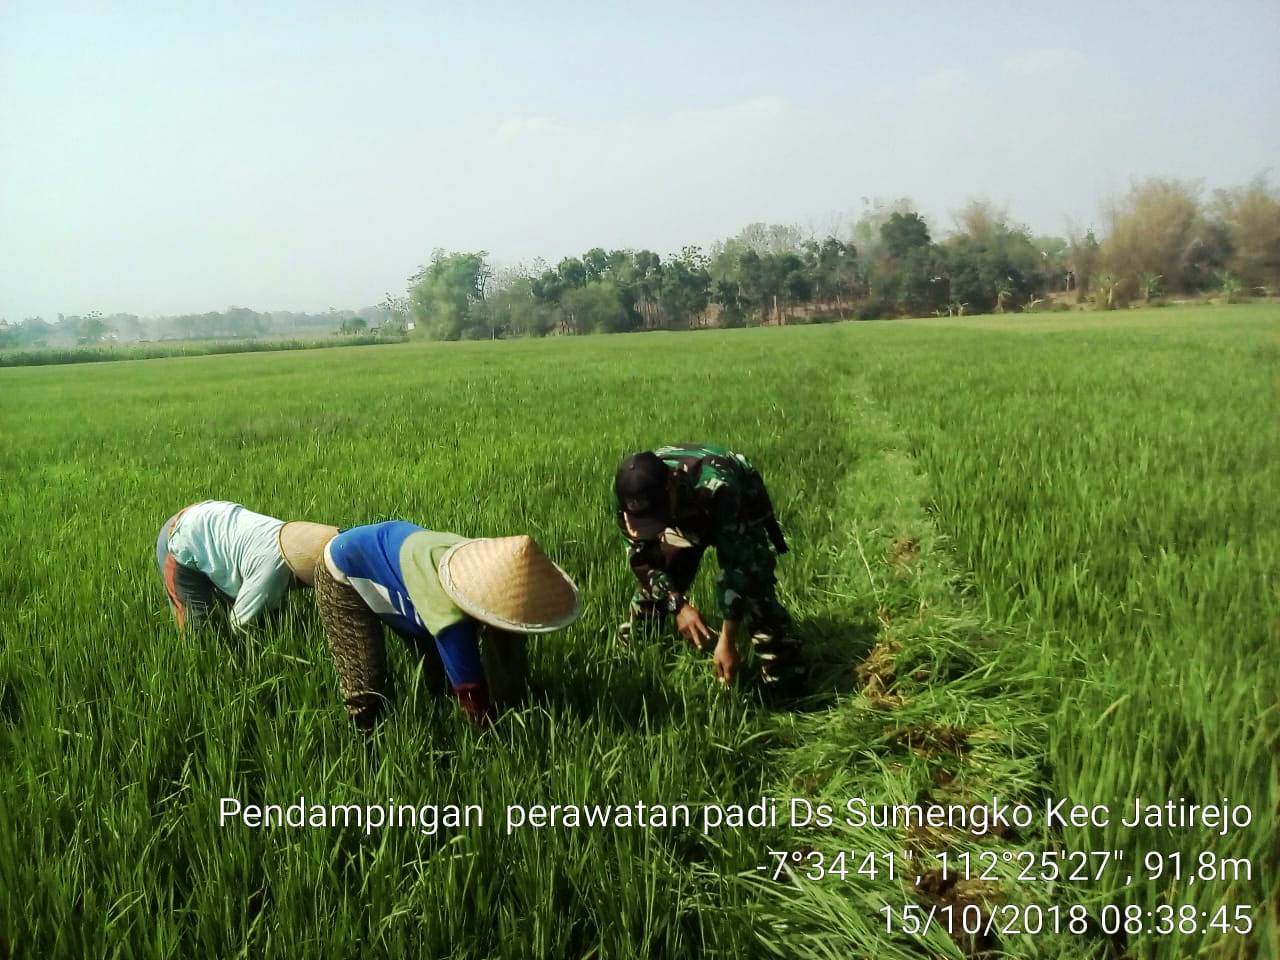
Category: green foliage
[1150,285]
[596,307]
[1005,561]
[1108,293]
[904,233]
[1250,217]
[117,737]
[92,329]
[908,284]
[42,357]
[448,294]
[595,262]
[548,288]
[1229,286]
[572,272]
[834,276]
[1110,489]
[754,287]
[995,272]
[234,323]
[1085,259]
[513,310]
[774,274]
[45,356]
[1160,227]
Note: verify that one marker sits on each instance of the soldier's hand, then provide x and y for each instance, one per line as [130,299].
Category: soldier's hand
[725,661]
[691,626]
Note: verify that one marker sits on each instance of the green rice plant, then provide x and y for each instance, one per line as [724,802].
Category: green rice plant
[1031,557]
[46,356]
[1117,491]
[1229,286]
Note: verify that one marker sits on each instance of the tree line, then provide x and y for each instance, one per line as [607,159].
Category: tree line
[235,323]
[1162,238]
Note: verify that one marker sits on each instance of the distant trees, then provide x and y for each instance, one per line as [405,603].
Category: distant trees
[93,328]
[1250,216]
[596,307]
[31,332]
[1162,239]
[765,274]
[833,271]
[448,294]
[904,233]
[1084,259]
[391,316]
[1157,229]
[990,265]
[234,322]
[514,310]
[23,334]
[622,290]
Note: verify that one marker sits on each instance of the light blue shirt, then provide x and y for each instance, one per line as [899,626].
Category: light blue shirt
[238,550]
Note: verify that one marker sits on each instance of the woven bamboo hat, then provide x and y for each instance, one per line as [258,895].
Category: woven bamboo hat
[509,583]
[301,545]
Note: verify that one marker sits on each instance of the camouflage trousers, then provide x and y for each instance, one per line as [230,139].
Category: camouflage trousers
[746,591]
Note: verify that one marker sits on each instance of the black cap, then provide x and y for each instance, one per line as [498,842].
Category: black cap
[641,487]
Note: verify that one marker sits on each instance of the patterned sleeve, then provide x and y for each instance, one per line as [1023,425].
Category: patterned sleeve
[734,547]
[649,567]
[647,563]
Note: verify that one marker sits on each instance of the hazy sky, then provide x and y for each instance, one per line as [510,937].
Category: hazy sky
[183,157]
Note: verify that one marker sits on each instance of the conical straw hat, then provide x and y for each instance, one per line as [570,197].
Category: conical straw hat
[509,583]
[301,544]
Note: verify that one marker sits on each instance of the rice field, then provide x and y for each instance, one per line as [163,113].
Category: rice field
[1031,558]
[151,350]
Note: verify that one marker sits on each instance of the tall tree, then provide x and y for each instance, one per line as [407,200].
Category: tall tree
[684,287]
[876,212]
[1084,254]
[572,272]
[904,232]
[1157,228]
[1250,216]
[448,293]
[597,307]
[595,262]
[646,285]
[833,271]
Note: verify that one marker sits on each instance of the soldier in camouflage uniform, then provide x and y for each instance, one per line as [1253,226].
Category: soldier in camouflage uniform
[671,505]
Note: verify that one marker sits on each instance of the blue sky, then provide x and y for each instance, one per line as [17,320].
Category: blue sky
[160,158]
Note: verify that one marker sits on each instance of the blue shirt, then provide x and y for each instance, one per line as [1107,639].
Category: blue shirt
[393,567]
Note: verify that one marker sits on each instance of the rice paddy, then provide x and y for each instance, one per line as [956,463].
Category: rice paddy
[1031,557]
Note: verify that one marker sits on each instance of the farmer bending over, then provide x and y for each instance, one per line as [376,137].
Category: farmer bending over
[671,505]
[434,587]
[220,552]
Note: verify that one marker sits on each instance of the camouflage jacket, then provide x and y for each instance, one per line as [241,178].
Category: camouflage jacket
[720,501]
